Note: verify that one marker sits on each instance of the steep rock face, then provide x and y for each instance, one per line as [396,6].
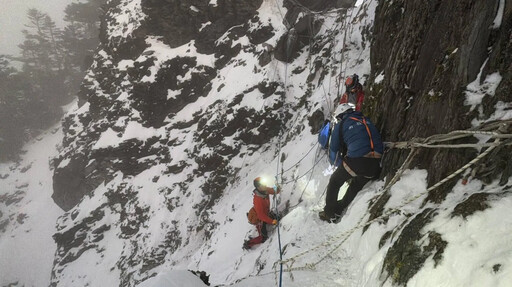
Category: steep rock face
[162,128]
[301,29]
[180,22]
[119,72]
[424,55]
[427,52]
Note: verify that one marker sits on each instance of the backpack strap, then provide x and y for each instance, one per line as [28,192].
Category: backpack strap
[369,134]
[342,142]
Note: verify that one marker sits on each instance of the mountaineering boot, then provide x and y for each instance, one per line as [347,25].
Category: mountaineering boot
[248,244]
[331,219]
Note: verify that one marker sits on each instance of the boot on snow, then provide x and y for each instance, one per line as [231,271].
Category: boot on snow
[248,244]
[331,219]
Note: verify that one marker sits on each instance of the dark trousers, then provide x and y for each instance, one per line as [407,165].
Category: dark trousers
[365,169]
[262,234]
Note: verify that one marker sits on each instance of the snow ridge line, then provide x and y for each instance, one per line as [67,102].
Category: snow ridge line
[501,125]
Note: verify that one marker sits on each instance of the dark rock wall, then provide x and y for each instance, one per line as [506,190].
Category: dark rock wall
[179,24]
[429,51]
[106,83]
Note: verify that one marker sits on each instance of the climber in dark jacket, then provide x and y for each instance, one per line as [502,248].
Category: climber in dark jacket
[261,203]
[356,148]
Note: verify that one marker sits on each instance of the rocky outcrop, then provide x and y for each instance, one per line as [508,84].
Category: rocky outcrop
[402,268]
[179,22]
[104,87]
[69,187]
[302,27]
[150,101]
[428,52]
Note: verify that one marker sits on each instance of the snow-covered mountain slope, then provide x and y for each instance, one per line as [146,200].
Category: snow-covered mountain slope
[170,138]
[187,102]
[28,214]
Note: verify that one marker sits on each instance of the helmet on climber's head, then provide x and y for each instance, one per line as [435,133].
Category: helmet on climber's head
[351,82]
[343,109]
[260,182]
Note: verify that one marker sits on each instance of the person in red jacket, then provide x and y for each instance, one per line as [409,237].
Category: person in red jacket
[261,204]
[354,93]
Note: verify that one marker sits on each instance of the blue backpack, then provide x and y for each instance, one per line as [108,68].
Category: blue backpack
[360,135]
[325,134]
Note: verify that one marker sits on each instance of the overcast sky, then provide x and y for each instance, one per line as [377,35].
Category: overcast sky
[13,18]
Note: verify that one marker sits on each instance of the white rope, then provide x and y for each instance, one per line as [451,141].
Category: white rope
[345,235]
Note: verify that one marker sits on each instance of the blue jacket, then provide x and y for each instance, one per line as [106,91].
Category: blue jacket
[350,137]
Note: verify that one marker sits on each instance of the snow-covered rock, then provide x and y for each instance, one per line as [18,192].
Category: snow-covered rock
[188,101]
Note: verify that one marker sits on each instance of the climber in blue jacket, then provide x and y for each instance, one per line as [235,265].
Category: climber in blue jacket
[356,149]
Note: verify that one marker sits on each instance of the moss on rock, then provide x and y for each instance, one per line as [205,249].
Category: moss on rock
[409,253]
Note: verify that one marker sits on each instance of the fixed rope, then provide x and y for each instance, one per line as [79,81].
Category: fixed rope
[281,262]
[311,170]
[327,98]
[345,235]
[409,145]
[291,34]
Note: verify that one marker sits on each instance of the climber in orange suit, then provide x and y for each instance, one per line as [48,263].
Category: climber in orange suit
[261,216]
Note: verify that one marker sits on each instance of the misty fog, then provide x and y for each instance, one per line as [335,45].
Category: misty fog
[13,17]
[45,49]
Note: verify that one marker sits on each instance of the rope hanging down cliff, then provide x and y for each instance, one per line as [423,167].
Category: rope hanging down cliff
[291,35]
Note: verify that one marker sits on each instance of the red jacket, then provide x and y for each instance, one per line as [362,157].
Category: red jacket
[356,98]
[261,203]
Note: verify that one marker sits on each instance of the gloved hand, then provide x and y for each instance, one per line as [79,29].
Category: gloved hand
[329,170]
[274,222]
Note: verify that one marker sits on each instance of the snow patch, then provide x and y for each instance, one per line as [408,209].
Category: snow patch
[123,65]
[379,78]
[128,19]
[64,163]
[107,138]
[133,130]
[204,25]
[476,91]
[477,253]
[162,53]
[499,15]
